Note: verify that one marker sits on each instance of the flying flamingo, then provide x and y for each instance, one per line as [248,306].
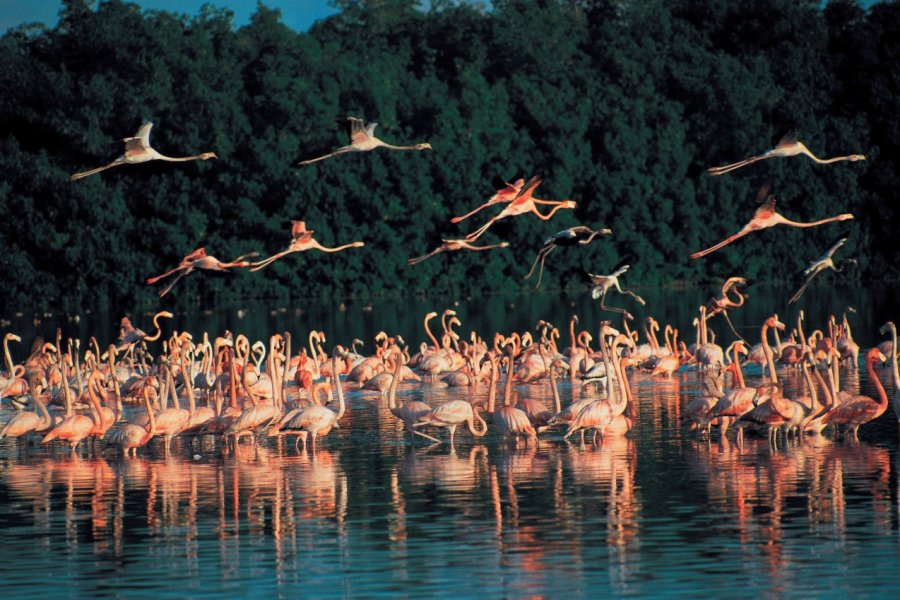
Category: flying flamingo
[452,246]
[580,235]
[603,283]
[787,146]
[198,259]
[362,139]
[820,264]
[302,240]
[507,193]
[138,150]
[764,218]
[523,203]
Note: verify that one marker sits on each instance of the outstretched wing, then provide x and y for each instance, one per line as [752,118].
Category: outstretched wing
[527,189]
[789,139]
[767,202]
[140,143]
[356,129]
[813,270]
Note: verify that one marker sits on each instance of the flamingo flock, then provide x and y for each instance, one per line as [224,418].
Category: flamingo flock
[182,387]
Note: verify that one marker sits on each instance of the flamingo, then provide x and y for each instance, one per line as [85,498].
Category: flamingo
[860,409]
[523,203]
[820,264]
[75,428]
[453,246]
[320,420]
[603,283]
[787,146]
[507,193]
[764,218]
[509,420]
[131,437]
[895,372]
[580,235]
[362,139]
[26,422]
[410,412]
[131,335]
[721,304]
[198,259]
[138,150]
[301,241]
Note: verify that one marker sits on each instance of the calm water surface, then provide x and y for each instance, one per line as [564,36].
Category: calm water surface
[371,514]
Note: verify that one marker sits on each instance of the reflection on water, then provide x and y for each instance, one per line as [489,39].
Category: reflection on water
[362,516]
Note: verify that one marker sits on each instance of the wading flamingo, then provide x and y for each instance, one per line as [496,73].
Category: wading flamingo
[889,327]
[198,259]
[787,146]
[820,264]
[859,410]
[130,437]
[362,139]
[302,240]
[764,218]
[507,193]
[580,235]
[523,203]
[138,150]
[453,246]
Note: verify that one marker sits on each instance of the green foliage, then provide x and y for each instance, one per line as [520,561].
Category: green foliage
[620,106]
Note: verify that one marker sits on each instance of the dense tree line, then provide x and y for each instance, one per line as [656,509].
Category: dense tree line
[620,106]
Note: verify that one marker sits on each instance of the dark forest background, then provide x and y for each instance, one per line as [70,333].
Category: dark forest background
[619,105]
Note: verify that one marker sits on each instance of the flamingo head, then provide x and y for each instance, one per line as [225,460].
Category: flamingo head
[424,146]
[844,217]
[208,155]
[888,327]
[856,157]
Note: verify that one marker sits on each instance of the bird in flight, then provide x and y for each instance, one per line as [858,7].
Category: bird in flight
[523,203]
[787,146]
[139,150]
[199,259]
[452,246]
[362,139]
[764,218]
[604,283]
[301,240]
[573,236]
[820,264]
[506,193]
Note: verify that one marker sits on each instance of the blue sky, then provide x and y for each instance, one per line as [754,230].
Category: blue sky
[298,14]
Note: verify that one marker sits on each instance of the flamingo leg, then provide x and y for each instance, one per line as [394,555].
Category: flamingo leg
[418,259]
[83,174]
[424,435]
[470,213]
[266,262]
[478,232]
[169,287]
[542,256]
[730,324]
[715,171]
[153,280]
[747,229]
[341,150]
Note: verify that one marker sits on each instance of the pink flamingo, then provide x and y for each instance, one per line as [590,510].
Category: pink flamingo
[453,246]
[523,203]
[131,437]
[764,218]
[787,146]
[509,420]
[198,259]
[27,422]
[859,409]
[75,428]
[362,139]
[505,194]
[138,150]
[301,241]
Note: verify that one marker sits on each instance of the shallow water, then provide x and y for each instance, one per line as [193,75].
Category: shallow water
[369,513]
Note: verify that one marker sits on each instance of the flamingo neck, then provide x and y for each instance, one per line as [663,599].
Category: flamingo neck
[767,350]
[873,377]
